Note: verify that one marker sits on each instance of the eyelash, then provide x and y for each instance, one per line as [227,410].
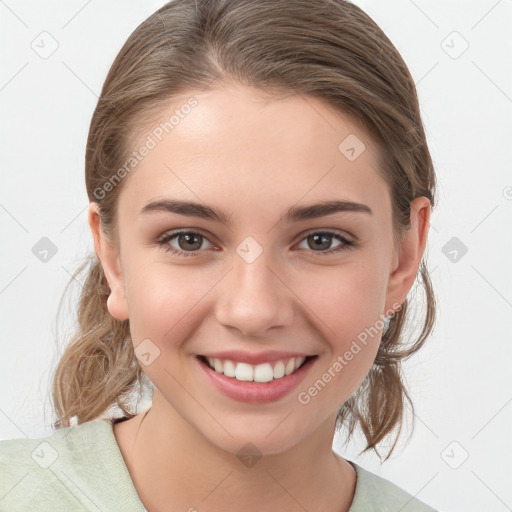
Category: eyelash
[167,237]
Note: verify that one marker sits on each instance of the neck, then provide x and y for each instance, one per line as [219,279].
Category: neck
[174,467]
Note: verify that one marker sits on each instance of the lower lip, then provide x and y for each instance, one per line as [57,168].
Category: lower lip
[256,392]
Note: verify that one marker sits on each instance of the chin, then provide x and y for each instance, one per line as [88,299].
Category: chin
[256,441]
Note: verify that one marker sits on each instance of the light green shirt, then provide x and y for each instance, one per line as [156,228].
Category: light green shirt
[81,468]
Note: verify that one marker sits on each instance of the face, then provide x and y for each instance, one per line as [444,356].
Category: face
[267,279]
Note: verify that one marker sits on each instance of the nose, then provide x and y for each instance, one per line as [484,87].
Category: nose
[254,298]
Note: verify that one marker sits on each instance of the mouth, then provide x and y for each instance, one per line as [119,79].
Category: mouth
[265,382]
[259,373]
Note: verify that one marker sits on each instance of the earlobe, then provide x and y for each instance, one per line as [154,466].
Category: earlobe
[108,254]
[117,306]
[412,248]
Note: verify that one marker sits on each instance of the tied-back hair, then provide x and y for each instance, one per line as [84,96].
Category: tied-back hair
[327,49]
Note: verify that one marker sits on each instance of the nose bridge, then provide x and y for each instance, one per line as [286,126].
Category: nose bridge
[252,297]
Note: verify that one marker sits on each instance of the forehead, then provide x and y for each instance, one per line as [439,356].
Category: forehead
[245,146]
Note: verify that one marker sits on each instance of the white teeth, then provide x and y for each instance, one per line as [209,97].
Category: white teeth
[289,367]
[217,363]
[229,369]
[299,361]
[258,373]
[279,370]
[244,371]
[263,373]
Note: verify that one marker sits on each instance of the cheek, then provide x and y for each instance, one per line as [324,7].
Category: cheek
[348,304]
[163,300]
[166,306]
[346,299]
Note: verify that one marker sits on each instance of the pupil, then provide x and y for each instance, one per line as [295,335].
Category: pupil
[189,237]
[318,241]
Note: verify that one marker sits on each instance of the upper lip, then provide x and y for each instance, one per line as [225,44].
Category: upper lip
[254,358]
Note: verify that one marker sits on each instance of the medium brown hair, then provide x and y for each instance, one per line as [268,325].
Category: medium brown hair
[328,49]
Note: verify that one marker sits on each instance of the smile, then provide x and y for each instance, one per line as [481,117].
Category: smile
[254,378]
[264,372]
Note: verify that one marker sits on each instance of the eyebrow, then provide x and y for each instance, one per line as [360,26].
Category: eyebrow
[293,214]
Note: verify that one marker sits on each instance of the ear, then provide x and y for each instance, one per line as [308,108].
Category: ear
[108,255]
[408,259]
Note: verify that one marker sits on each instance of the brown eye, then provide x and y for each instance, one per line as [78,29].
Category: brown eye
[320,242]
[188,242]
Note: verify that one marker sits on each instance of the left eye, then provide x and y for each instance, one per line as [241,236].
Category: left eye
[323,239]
[190,242]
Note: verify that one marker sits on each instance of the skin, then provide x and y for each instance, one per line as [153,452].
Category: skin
[253,156]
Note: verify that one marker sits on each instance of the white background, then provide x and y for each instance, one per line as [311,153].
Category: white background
[461,380]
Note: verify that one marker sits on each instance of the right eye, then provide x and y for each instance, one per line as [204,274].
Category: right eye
[192,239]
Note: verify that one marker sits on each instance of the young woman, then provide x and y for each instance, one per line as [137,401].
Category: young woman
[260,191]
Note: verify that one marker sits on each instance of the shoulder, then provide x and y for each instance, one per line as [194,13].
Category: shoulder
[74,468]
[376,494]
